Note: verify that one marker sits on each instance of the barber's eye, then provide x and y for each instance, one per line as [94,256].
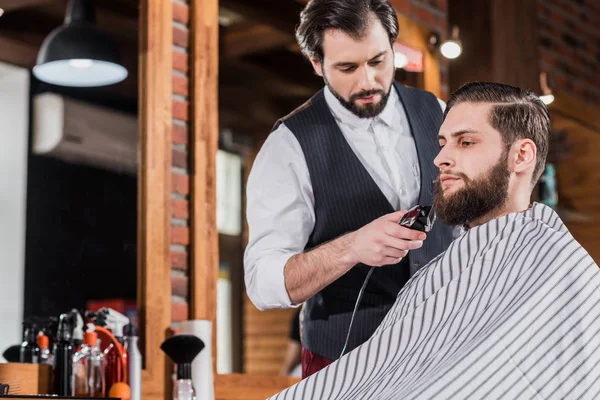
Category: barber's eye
[373,63]
[348,70]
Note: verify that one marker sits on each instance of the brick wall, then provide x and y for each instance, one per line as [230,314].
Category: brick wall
[432,14]
[569,46]
[180,209]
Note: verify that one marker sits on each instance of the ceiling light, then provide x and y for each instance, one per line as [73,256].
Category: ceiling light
[400,59]
[77,53]
[452,48]
[547,97]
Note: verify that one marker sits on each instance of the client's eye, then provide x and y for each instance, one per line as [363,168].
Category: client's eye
[466,143]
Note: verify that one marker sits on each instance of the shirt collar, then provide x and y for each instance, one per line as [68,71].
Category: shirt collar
[343,115]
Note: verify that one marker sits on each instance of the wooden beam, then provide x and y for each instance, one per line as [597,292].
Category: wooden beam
[230,119]
[41,20]
[288,67]
[263,80]
[204,252]
[154,188]
[255,39]
[237,98]
[17,53]
[282,15]
[10,5]
[28,26]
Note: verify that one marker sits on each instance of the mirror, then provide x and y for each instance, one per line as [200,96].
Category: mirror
[72,186]
[88,227]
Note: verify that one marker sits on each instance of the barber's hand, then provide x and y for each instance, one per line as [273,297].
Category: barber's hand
[384,242]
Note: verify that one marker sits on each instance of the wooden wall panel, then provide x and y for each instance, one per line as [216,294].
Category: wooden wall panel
[579,180]
[246,387]
[265,338]
[499,39]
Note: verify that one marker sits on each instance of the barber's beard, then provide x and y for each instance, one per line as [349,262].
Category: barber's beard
[478,198]
[368,110]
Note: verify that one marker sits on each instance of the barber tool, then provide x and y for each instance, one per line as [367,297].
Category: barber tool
[420,218]
[182,349]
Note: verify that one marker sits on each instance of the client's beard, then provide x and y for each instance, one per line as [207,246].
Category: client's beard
[478,197]
[368,110]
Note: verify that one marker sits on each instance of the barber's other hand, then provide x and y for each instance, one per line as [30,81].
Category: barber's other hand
[383,241]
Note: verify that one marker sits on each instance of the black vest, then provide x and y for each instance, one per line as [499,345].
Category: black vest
[346,199]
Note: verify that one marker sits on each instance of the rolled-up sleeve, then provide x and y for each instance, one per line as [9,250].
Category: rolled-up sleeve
[280,214]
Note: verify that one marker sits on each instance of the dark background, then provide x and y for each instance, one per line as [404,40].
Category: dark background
[81,229]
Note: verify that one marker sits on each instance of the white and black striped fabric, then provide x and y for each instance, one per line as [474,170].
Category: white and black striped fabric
[510,310]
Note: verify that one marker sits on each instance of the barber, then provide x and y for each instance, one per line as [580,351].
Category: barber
[324,190]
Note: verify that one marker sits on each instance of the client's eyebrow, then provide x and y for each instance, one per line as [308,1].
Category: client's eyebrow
[458,133]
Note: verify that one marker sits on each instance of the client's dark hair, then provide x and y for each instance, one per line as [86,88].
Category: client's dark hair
[516,114]
[350,16]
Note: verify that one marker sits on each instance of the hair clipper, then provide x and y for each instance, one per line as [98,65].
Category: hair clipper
[420,218]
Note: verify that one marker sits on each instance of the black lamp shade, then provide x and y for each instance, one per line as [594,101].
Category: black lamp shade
[79,54]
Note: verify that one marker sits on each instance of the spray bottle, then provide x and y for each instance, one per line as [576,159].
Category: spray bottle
[46,357]
[30,351]
[111,335]
[77,324]
[88,367]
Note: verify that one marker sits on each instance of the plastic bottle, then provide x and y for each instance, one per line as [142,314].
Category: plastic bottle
[88,367]
[30,351]
[45,356]
[134,362]
[115,354]
[63,359]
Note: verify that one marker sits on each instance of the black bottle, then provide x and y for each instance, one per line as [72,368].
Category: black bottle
[63,359]
[30,351]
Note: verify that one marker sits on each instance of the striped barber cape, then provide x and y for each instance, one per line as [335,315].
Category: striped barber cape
[511,310]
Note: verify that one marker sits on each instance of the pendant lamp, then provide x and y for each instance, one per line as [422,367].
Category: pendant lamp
[77,53]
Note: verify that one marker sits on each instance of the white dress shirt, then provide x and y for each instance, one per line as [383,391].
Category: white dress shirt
[280,200]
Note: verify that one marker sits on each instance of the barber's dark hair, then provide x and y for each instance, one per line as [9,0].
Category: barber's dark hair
[350,16]
[516,114]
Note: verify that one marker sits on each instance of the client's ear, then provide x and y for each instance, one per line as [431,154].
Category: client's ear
[524,156]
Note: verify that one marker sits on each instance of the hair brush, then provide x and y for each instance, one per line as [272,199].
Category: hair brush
[182,349]
[13,353]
